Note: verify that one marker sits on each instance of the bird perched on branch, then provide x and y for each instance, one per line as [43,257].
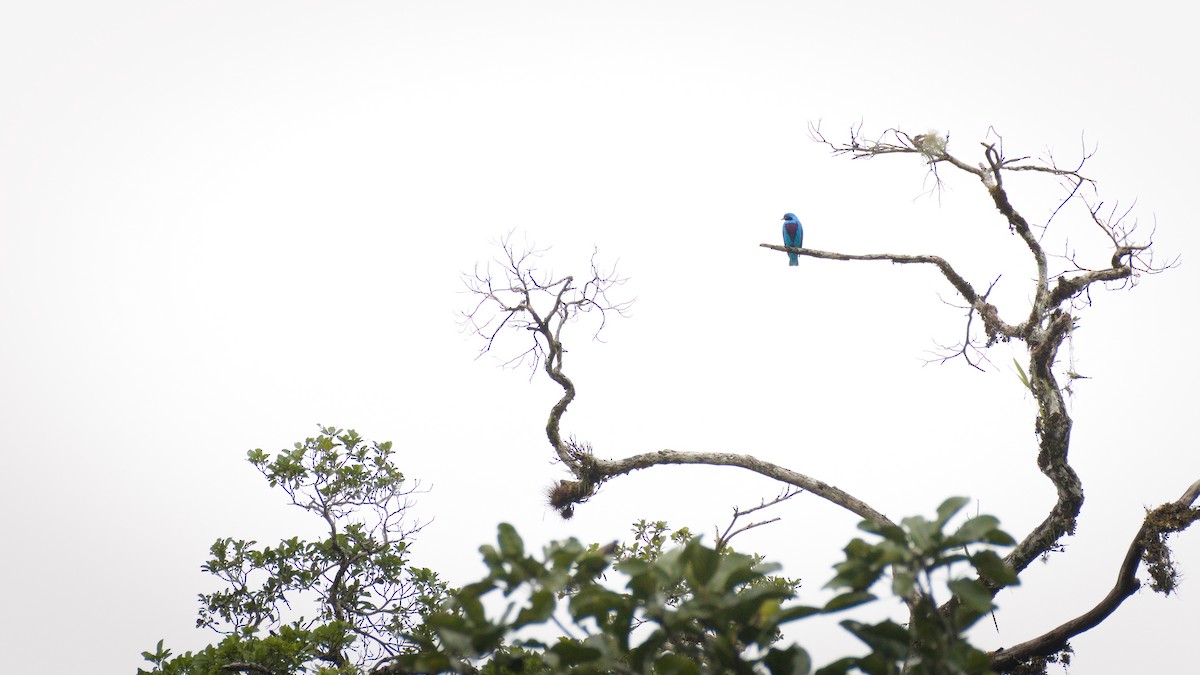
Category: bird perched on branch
[793,235]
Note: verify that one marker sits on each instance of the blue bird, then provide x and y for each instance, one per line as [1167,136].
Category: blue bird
[793,235]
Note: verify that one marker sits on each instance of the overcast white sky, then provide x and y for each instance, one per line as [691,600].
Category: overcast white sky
[222,223]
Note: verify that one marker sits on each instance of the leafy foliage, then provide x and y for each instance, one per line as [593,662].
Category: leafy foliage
[291,649]
[649,543]
[714,626]
[912,553]
[672,605]
[705,611]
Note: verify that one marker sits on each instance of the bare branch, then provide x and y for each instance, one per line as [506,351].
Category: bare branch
[723,538]
[1148,546]
[995,328]
[514,294]
[530,301]
[606,469]
[961,285]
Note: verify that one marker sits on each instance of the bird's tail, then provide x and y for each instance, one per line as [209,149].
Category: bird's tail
[793,260]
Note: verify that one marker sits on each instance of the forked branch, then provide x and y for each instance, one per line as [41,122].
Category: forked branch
[1149,547]
[723,538]
[1048,323]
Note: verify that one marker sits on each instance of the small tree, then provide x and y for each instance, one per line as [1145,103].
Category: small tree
[538,306]
[327,606]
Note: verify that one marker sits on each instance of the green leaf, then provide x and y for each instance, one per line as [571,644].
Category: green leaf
[972,594]
[998,538]
[890,532]
[949,508]
[701,565]
[793,613]
[791,661]
[975,529]
[1021,374]
[674,664]
[839,667]
[848,600]
[974,661]
[993,568]
[924,534]
[877,664]
[541,606]
[511,546]
[888,638]
[597,602]
[574,653]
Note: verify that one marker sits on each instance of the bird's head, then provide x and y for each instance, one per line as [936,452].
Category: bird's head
[790,217]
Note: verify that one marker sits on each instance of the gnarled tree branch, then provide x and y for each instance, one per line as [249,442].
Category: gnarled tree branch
[1147,546]
[723,538]
[518,296]
[994,326]
[606,469]
[1048,323]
